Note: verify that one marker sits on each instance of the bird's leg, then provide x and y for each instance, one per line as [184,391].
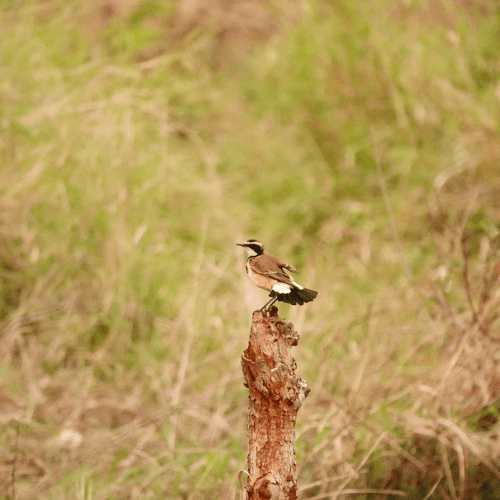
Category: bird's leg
[268,304]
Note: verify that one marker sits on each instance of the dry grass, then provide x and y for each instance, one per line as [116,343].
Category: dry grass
[139,141]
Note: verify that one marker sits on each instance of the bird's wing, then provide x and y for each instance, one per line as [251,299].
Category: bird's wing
[272,269]
[288,267]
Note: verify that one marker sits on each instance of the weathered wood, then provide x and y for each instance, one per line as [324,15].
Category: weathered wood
[276,395]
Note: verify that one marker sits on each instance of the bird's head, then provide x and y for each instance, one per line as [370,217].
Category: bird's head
[253,247]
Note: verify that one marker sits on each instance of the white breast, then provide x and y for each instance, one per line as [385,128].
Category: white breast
[251,274]
[259,282]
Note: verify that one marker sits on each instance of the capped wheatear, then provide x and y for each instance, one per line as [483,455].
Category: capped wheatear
[269,273]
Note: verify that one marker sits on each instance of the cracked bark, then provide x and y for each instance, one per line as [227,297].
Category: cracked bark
[276,395]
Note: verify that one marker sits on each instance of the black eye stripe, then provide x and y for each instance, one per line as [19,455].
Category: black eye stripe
[255,248]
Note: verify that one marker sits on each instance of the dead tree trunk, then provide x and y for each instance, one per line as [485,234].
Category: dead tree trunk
[276,395]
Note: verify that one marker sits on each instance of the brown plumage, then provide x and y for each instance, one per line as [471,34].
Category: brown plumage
[269,272]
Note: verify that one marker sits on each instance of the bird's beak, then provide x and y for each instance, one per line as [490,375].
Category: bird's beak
[241,244]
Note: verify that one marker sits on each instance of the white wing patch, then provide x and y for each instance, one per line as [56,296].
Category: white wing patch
[281,288]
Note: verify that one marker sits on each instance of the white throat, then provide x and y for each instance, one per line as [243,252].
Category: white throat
[251,252]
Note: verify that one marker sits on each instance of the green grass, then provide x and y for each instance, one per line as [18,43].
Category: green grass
[140,141]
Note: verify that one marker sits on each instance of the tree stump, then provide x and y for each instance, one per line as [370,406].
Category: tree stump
[276,395]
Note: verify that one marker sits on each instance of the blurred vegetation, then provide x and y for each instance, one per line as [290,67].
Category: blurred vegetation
[139,140]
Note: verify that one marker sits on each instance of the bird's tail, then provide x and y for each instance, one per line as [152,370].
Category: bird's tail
[295,296]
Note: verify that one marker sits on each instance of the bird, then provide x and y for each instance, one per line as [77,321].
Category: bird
[269,273]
